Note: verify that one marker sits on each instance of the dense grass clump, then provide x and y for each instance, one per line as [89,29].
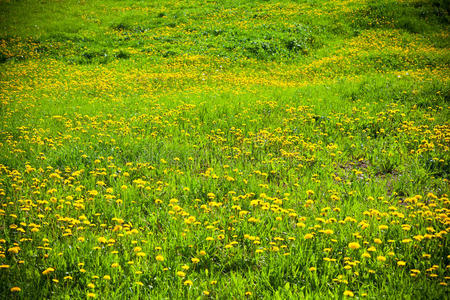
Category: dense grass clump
[224,149]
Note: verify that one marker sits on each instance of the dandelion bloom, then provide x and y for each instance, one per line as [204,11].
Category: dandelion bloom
[308,236]
[181,274]
[14,250]
[15,289]
[354,245]
[91,295]
[47,271]
[195,260]
[301,225]
[159,258]
[188,282]
[102,240]
[349,294]
[381,258]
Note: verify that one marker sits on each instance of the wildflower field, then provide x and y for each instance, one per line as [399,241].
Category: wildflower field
[224,149]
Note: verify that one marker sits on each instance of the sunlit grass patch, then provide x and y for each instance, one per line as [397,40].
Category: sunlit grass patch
[224,150]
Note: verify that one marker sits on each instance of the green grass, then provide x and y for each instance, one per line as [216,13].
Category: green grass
[247,143]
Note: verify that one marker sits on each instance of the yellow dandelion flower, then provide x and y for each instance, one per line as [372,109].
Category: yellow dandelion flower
[354,245]
[15,289]
[14,250]
[181,274]
[308,236]
[47,271]
[188,282]
[349,294]
[93,193]
[159,258]
[301,225]
[102,240]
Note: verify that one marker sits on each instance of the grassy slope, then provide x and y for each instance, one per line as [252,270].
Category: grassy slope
[248,100]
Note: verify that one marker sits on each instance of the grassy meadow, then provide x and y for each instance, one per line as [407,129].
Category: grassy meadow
[224,149]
